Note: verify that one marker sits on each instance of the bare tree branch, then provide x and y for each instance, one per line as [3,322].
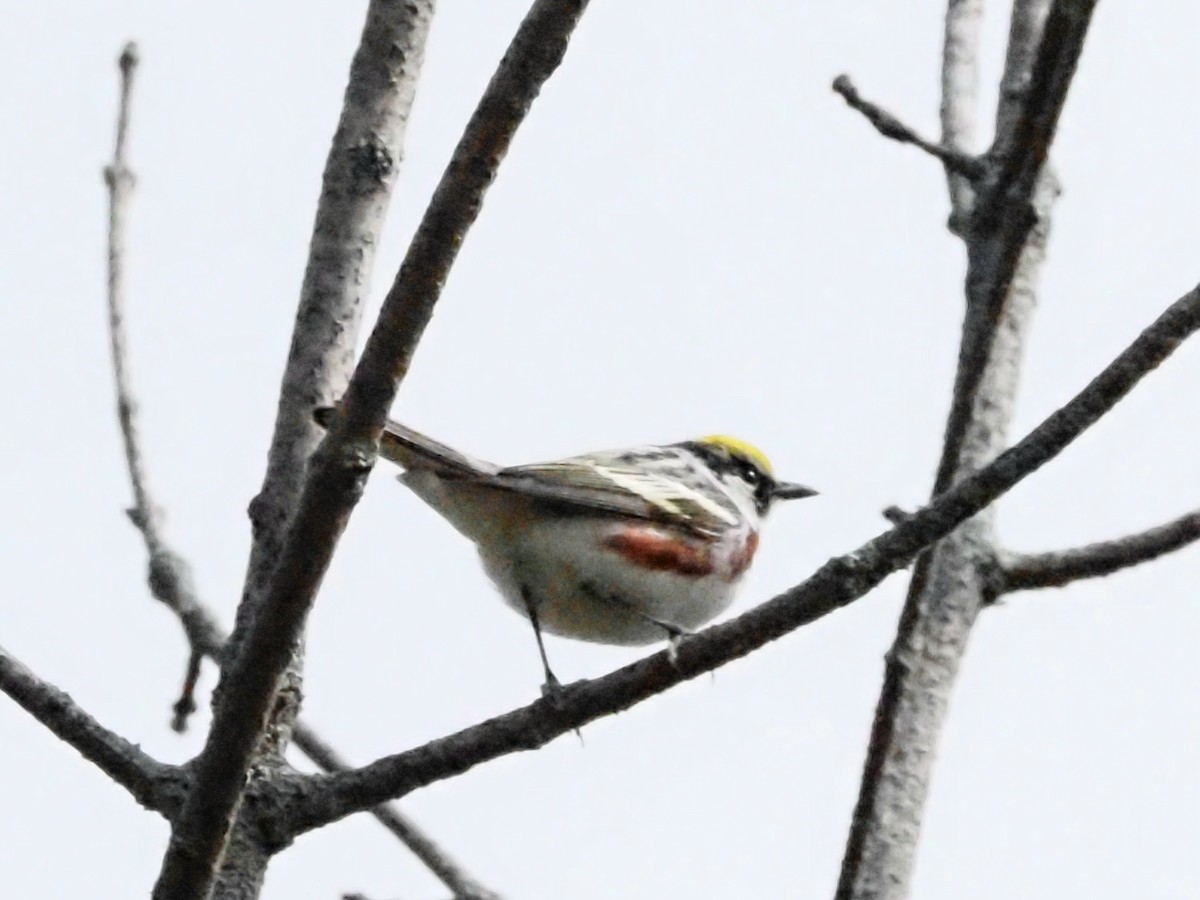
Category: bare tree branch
[1006,237]
[153,784]
[955,161]
[444,866]
[321,799]
[186,704]
[170,577]
[208,639]
[1058,568]
[1004,214]
[338,469]
[960,88]
[356,188]
[1024,135]
[120,181]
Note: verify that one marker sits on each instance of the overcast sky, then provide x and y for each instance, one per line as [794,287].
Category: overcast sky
[691,234]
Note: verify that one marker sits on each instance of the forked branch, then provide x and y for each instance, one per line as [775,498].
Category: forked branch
[338,470]
[440,863]
[150,782]
[956,161]
[170,575]
[842,580]
[1004,214]
[1058,568]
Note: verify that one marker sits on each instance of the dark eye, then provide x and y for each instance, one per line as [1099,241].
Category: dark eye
[750,472]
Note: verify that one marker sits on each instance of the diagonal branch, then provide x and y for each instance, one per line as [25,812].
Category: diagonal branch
[1004,214]
[356,188]
[1058,568]
[956,161]
[170,576]
[150,782]
[338,469]
[842,580]
[206,637]
[1022,149]
[1006,237]
[444,866]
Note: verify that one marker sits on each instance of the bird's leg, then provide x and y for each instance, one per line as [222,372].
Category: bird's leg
[553,687]
[675,636]
[552,684]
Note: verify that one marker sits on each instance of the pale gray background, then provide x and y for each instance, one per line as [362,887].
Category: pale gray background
[692,233]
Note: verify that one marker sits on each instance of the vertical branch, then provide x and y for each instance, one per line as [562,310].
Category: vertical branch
[1006,231]
[120,180]
[360,172]
[339,467]
[169,576]
[960,91]
[1024,32]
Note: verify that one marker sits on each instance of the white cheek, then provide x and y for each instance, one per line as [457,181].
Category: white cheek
[743,495]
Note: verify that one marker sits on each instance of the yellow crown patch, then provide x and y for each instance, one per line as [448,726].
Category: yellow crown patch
[737,447]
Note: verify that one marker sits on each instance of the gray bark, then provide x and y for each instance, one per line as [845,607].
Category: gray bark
[1005,225]
[359,174]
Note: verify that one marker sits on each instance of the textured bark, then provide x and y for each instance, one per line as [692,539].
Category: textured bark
[356,188]
[359,174]
[154,785]
[960,90]
[932,637]
[447,869]
[320,799]
[264,665]
[1057,568]
[1005,225]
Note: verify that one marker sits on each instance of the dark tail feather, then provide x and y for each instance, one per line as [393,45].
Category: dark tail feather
[413,450]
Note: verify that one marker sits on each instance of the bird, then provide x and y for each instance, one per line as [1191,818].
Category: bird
[627,547]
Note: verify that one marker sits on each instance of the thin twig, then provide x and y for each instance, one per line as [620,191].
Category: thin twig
[1058,568]
[186,704]
[896,515]
[120,180]
[955,161]
[149,781]
[953,581]
[170,576]
[206,636]
[338,470]
[322,799]
[444,866]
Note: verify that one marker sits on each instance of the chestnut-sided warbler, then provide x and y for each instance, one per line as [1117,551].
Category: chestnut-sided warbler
[625,546]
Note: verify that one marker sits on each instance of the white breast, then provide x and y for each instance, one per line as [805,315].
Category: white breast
[584,591]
